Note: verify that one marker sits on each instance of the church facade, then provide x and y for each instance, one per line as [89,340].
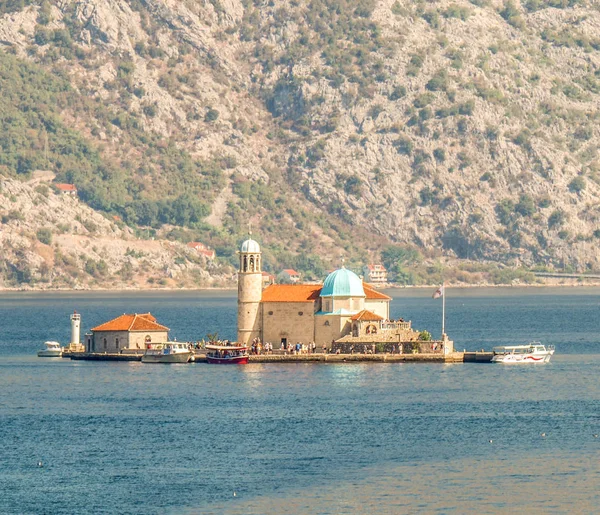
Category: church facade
[343,308]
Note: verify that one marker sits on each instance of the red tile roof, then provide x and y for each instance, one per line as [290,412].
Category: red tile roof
[308,293]
[134,322]
[290,271]
[376,267]
[366,315]
[66,187]
[372,294]
[291,292]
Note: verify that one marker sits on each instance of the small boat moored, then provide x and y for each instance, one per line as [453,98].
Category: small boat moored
[169,352]
[227,354]
[52,350]
[534,352]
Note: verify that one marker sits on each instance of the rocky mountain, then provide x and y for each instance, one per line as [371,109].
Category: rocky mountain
[52,240]
[457,129]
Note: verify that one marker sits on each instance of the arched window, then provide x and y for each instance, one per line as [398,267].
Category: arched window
[104,343]
[245,267]
[148,339]
[251,263]
[326,323]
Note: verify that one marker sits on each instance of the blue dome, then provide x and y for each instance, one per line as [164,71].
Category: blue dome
[342,283]
[250,246]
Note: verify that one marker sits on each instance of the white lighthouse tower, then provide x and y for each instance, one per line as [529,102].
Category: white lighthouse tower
[249,291]
[75,332]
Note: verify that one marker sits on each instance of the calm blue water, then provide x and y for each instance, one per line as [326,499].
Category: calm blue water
[385,438]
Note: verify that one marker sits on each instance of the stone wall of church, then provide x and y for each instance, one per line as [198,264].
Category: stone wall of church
[355,304]
[379,307]
[331,327]
[116,341]
[294,321]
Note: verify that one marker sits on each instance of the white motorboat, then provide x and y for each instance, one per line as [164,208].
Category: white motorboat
[533,352]
[52,350]
[169,352]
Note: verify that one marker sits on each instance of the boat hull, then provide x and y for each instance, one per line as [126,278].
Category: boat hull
[236,360]
[50,354]
[181,357]
[517,359]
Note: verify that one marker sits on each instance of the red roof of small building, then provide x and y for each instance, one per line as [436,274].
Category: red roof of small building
[202,249]
[372,293]
[65,187]
[291,293]
[366,315]
[376,267]
[132,322]
[290,271]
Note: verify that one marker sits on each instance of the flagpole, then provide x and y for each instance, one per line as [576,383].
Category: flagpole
[443,309]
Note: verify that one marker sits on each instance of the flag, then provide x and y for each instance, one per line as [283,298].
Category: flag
[439,292]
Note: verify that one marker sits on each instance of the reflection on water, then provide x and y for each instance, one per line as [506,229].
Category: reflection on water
[542,482]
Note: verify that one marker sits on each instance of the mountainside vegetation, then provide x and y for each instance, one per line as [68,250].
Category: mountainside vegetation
[421,134]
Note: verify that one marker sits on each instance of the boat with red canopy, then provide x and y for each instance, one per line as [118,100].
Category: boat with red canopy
[227,354]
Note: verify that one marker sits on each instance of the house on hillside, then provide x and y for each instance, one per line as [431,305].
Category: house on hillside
[66,189]
[129,332]
[289,275]
[202,249]
[375,274]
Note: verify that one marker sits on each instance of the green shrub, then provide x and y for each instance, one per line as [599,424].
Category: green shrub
[397,93]
[511,14]
[525,206]
[504,210]
[404,146]
[557,218]
[439,154]
[44,235]
[577,185]
[211,115]
[457,11]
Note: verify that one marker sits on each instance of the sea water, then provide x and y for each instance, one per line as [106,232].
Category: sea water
[105,437]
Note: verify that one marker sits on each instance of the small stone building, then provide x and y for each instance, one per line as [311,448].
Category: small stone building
[66,189]
[129,332]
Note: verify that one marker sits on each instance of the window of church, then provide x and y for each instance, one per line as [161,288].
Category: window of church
[104,343]
[270,312]
[326,323]
[300,313]
[117,343]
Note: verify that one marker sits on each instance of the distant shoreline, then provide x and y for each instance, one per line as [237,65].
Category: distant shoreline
[571,284]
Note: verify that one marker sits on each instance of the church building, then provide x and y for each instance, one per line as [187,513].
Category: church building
[343,308]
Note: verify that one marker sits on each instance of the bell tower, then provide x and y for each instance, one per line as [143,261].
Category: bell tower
[249,291]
